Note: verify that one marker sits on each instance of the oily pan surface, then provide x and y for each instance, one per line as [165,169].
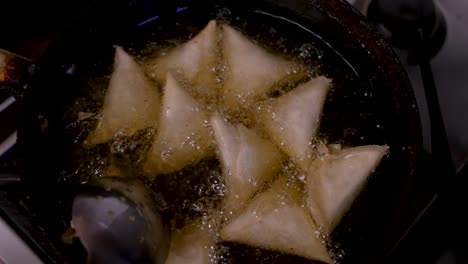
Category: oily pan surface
[360,110]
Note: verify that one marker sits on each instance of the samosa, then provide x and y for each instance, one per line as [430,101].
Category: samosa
[251,71]
[184,136]
[194,62]
[334,181]
[276,220]
[192,244]
[248,161]
[292,119]
[131,103]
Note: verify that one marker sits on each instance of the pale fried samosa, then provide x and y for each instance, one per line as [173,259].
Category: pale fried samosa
[248,161]
[251,72]
[184,134]
[195,62]
[292,119]
[192,244]
[334,181]
[131,102]
[276,220]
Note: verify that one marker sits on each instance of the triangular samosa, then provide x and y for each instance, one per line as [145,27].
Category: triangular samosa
[251,72]
[248,161]
[276,220]
[195,62]
[131,102]
[192,244]
[334,181]
[183,136]
[292,119]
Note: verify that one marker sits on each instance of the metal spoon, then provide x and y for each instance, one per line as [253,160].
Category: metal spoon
[120,224]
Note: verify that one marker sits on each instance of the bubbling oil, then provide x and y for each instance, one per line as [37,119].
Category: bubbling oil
[195,194]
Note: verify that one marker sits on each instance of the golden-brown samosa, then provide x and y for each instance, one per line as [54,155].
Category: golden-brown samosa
[251,72]
[292,119]
[248,161]
[131,102]
[276,220]
[195,62]
[334,181]
[192,244]
[184,133]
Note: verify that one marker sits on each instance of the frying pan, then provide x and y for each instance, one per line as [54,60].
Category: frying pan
[371,103]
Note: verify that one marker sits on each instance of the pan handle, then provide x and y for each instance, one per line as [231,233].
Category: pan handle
[15,73]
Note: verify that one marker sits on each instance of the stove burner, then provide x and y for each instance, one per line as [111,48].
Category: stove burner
[409,24]
[419,27]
